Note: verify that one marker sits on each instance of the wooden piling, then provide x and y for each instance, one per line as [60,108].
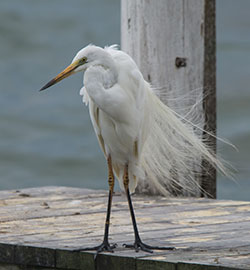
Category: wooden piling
[173,43]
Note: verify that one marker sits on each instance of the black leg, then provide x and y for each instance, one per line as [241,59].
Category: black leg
[138,244]
[105,246]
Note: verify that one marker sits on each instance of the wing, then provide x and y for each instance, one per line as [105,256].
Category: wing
[94,116]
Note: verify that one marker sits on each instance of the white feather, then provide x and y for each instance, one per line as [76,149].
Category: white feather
[85,96]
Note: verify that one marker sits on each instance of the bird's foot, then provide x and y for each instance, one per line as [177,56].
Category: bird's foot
[139,245]
[105,246]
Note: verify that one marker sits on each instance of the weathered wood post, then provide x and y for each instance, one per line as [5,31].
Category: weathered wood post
[173,43]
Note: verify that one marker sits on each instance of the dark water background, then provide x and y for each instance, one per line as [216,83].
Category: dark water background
[47,138]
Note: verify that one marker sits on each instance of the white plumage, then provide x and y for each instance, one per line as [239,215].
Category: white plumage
[118,111]
[134,126]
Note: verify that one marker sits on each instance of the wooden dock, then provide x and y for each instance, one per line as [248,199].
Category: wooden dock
[40,228]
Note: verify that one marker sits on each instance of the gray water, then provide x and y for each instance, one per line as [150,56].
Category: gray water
[47,138]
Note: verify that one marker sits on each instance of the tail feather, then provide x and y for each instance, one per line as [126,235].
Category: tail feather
[172,154]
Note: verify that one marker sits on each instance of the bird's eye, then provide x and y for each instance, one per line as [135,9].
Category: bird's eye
[83,60]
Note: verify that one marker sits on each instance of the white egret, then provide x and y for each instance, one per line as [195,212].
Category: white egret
[140,137]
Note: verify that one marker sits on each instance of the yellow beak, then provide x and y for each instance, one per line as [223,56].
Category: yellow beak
[64,74]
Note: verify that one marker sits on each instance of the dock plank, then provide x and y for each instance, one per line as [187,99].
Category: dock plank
[42,226]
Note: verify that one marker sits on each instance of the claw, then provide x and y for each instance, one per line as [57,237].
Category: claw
[139,245]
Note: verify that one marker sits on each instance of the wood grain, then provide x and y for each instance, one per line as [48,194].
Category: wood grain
[44,226]
[173,43]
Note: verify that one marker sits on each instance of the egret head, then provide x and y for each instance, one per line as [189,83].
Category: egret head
[86,57]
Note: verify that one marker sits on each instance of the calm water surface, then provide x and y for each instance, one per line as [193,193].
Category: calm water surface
[47,138]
